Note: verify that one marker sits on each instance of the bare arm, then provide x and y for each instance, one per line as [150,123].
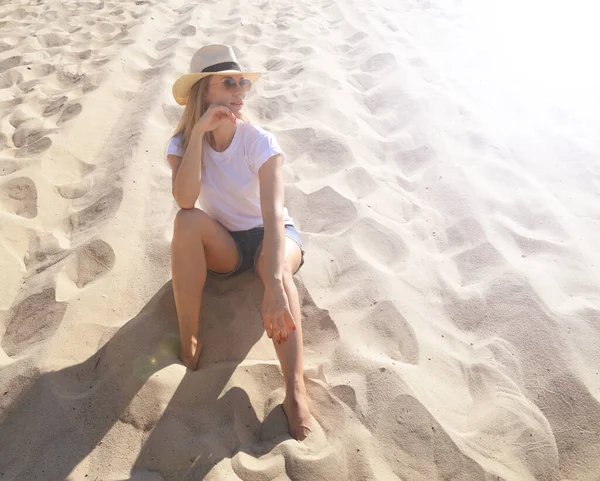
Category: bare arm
[187,169]
[271,202]
[186,172]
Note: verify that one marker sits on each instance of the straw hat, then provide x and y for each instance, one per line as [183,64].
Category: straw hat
[208,60]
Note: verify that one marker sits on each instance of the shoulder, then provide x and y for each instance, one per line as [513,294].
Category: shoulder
[175,140]
[174,146]
[253,132]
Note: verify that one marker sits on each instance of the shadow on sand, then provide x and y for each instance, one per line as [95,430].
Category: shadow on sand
[135,383]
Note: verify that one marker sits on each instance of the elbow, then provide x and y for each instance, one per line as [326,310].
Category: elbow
[185,206]
[185,200]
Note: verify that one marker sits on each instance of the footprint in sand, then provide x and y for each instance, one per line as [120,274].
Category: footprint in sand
[54,106]
[95,214]
[52,40]
[71,111]
[379,62]
[32,321]
[188,31]
[85,265]
[27,131]
[7,167]
[34,148]
[19,196]
[387,332]
[76,189]
[275,63]
[165,44]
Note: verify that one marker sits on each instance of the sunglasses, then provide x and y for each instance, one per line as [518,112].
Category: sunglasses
[231,84]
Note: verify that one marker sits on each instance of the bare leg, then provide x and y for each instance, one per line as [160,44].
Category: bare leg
[196,237]
[290,354]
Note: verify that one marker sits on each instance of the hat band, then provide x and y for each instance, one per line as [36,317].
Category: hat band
[222,66]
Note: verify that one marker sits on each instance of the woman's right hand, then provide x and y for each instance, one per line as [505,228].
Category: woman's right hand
[214,116]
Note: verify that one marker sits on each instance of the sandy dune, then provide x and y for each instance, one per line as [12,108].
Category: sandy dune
[450,294]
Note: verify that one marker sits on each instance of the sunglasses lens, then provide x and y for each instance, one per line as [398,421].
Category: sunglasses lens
[229,83]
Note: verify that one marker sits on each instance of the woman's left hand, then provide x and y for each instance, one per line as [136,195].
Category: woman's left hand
[276,315]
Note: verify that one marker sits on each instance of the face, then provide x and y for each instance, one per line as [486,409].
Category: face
[223,91]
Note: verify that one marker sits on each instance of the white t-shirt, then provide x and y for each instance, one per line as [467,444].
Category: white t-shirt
[229,186]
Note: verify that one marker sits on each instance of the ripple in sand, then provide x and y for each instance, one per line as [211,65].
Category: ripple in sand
[323,211]
[479,263]
[361,182]
[9,63]
[378,245]
[425,444]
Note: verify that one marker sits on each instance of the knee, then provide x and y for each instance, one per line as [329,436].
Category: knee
[288,274]
[189,220]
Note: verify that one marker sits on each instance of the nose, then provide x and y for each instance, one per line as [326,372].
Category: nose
[238,92]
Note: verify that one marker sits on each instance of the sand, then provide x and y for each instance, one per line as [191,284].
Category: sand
[450,210]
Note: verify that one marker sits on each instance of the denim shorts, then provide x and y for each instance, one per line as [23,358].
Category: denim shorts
[248,244]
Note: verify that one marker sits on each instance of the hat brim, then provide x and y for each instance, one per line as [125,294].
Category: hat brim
[183,84]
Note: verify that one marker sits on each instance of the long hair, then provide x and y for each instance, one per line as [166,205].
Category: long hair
[194,110]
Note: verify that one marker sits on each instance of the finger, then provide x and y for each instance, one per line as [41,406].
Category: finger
[227,111]
[277,329]
[267,326]
[289,320]
[283,326]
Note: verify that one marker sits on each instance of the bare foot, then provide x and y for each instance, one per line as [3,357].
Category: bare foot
[191,355]
[295,406]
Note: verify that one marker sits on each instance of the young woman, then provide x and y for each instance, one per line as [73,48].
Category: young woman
[234,170]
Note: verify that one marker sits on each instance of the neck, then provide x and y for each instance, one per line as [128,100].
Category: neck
[223,136]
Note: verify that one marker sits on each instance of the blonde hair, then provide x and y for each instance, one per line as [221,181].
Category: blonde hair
[194,110]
